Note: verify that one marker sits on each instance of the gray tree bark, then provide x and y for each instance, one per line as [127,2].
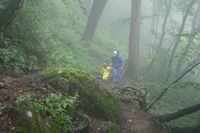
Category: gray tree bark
[195,129]
[94,16]
[180,113]
[195,28]
[9,13]
[132,67]
[168,6]
[178,39]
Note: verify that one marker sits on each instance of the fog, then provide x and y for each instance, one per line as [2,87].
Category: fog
[164,56]
[116,18]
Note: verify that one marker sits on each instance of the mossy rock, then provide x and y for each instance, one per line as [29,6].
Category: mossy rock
[35,123]
[74,75]
[112,128]
[96,101]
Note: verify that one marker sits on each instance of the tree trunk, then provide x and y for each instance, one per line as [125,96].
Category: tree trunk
[168,6]
[194,29]
[154,27]
[197,59]
[95,13]
[8,14]
[166,89]
[180,113]
[185,129]
[132,67]
[178,39]
[89,5]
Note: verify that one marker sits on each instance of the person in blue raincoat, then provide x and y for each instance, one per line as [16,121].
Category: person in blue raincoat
[117,63]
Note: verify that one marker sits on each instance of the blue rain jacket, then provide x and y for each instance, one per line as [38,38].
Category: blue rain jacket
[117,61]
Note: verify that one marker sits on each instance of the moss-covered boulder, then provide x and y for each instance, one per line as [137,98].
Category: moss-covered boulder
[103,126]
[95,101]
[62,85]
[27,119]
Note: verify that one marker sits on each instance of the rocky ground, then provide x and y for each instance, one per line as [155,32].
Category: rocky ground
[11,89]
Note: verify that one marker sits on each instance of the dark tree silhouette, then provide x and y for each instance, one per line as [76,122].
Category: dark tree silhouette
[195,129]
[180,113]
[166,89]
[178,38]
[132,67]
[95,14]
[168,7]
[194,30]
[9,13]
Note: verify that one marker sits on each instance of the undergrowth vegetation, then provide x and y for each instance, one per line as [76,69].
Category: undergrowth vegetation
[51,114]
[89,91]
[56,105]
[51,37]
[177,97]
[47,34]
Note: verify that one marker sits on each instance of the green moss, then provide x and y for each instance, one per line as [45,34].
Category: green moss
[110,103]
[89,93]
[112,128]
[34,124]
[74,75]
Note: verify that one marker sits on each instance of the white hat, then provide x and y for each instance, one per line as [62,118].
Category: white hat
[115,52]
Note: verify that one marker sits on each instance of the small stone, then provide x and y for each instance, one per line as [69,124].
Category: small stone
[13,128]
[17,72]
[59,72]
[1,85]
[29,114]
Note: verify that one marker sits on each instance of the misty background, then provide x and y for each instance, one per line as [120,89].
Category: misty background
[51,33]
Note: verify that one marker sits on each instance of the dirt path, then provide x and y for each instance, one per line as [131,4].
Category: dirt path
[135,120]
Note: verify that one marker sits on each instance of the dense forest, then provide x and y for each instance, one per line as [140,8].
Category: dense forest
[159,40]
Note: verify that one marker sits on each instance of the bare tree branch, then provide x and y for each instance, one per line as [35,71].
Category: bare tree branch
[172,84]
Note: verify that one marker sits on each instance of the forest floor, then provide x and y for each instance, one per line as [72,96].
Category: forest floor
[135,120]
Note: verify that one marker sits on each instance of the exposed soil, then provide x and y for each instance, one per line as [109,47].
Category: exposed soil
[135,121]
[12,90]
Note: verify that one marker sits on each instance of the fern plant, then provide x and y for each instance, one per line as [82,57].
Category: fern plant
[56,105]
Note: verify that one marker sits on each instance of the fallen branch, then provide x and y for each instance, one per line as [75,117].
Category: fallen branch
[185,129]
[171,85]
[180,113]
